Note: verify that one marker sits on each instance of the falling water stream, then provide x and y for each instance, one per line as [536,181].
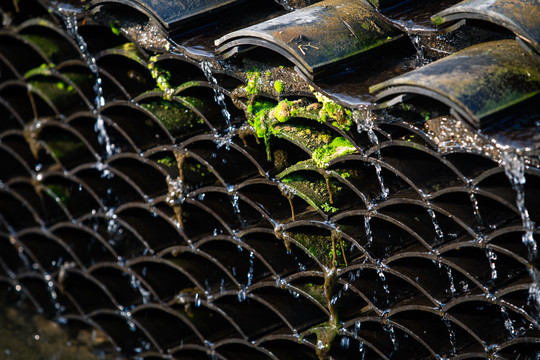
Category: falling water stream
[514,167]
[70,22]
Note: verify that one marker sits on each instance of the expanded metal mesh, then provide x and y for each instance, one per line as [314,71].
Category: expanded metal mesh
[134,199]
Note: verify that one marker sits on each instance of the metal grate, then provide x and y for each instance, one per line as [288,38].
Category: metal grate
[191,208]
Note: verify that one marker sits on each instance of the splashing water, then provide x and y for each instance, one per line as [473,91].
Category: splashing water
[390,330]
[491,256]
[285,4]
[451,279]
[508,324]
[219,96]
[365,123]
[367,226]
[70,22]
[476,208]
[514,167]
[251,269]
[451,334]
[420,58]
[436,226]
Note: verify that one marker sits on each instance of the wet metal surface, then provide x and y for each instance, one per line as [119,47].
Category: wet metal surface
[318,36]
[172,14]
[475,82]
[520,17]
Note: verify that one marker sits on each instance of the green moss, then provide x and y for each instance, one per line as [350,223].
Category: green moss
[278,85]
[438,20]
[251,87]
[317,191]
[332,110]
[329,208]
[114,27]
[49,46]
[322,248]
[316,291]
[162,77]
[61,149]
[175,117]
[59,193]
[168,161]
[338,147]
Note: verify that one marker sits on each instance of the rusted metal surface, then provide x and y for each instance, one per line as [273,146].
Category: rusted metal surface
[316,37]
[520,17]
[475,82]
[172,14]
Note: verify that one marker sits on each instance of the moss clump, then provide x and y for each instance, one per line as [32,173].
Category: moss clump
[331,110]
[162,78]
[338,147]
[167,161]
[438,20]
[114,27]
[278,85]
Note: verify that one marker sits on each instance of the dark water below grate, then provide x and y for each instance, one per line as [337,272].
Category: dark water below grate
[24,336]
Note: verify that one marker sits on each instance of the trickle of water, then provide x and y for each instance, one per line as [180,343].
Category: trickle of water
[344,342]
[476,208]
[436,226]
[451,279]
[126,314]
[451,334]
[222,286]
[514,167]
[367,226]
[361,350]
[52,293]
[357,326]
[390,330]
[242,294]
[364,120]
[420,58]
[136,284]
[70,21]
[285,4]
[175,194]
[251,269]
[491,256]
[219,96]
[508,324]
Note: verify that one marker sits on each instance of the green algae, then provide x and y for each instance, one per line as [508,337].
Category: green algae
[162,78]
[114,27]
[317,191]
[331,110]
[324,248]
[60,193]
[278,85]
[174,116]
[438,20]
[335,149]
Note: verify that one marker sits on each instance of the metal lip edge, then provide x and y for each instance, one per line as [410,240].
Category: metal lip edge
[245,41]
[170,24]
[402,90]
[494,17]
